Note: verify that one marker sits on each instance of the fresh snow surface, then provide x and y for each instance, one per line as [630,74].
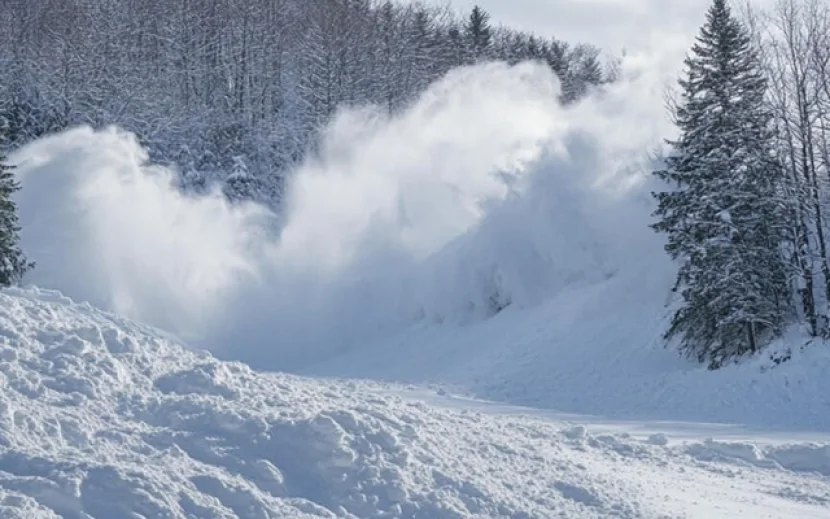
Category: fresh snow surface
[103,418]
[596,348]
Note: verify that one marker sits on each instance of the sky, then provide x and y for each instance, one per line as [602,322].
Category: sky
[639,26]
[612,24]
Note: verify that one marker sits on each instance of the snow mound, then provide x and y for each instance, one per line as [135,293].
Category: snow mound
[103,418]
[797,458]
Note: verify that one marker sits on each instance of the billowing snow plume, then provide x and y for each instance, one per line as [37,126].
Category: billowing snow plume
[105,227]
[483,193]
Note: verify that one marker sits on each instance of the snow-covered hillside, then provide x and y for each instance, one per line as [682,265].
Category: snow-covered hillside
[596,347]
[486,240]
[103,418]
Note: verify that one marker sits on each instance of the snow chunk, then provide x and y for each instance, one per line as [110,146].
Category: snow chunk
[803,458]
[658,439]
[794,457]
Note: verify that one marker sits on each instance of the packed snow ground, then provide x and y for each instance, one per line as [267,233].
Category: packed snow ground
[103,418]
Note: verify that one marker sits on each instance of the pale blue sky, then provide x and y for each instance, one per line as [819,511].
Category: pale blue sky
[611,24]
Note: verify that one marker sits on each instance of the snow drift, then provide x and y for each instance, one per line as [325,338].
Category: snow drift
[485,192]
[103,418]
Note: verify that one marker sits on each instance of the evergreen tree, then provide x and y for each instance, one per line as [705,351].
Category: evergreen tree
[724,218]
[479,33]
[13,263]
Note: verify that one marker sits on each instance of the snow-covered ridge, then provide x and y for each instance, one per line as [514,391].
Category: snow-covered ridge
[103,418]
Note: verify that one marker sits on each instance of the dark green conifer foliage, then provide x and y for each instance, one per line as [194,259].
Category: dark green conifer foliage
[13,263]
[479,33]
[723,211]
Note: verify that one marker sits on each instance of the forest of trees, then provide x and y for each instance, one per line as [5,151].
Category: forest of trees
[749,180]
[234,90]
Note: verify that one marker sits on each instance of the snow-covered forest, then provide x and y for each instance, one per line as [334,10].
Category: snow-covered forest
[794,43]
[747,180]
[235,91]
[239,95]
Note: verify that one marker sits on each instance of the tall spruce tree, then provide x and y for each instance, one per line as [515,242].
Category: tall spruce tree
[723,212]
[479,33]
[13,263]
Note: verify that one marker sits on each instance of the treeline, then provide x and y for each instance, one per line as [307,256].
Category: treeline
[794,43]
[234,90]
[746,209]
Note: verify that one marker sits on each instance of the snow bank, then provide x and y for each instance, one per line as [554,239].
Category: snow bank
[797,458]
[103,418]
[484,192]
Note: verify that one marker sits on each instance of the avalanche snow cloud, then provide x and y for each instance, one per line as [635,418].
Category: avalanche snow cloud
[484,192]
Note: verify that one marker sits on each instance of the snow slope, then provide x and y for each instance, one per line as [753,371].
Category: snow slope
[596,348]
[103,418]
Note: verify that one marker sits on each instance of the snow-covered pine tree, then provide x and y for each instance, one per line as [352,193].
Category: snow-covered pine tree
[479,33]
[723,212]
[13,263]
